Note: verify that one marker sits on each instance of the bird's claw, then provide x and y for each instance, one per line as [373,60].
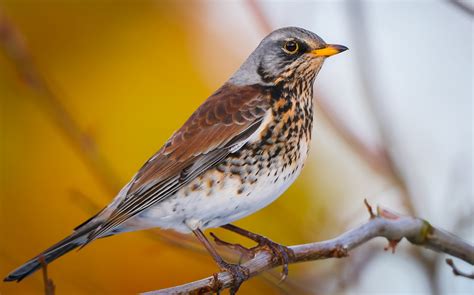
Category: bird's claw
[239,275]
[283,254]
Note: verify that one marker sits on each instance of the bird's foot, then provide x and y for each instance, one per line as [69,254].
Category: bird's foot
[239,274]
[281,254]
[244,252]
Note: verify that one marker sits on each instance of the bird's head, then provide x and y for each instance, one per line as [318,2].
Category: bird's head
[285,54]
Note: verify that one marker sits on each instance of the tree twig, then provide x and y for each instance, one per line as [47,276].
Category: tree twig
[384,223]
[458,272]
[49,287]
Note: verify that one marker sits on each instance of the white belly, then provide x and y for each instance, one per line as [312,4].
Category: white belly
[203,206]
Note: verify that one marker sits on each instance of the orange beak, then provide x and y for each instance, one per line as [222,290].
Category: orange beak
[329,50]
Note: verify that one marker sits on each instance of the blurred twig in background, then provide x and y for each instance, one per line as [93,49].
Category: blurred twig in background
[458,272]
[15,48]
[383,223]
[466,6]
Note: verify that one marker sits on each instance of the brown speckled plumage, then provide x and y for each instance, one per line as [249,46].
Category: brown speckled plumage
[279,142]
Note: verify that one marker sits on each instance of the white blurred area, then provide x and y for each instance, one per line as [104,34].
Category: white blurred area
[406,84]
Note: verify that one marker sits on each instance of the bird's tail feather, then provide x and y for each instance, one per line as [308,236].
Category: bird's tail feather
[76,239]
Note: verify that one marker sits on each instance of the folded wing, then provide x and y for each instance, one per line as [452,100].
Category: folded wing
[220,126]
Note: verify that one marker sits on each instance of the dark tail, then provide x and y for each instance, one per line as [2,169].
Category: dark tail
[71,242]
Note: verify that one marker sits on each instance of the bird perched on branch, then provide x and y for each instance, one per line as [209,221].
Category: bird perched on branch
[238,152]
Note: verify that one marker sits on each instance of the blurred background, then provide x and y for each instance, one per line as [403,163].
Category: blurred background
[90,89]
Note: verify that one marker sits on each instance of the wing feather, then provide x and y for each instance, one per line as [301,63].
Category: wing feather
[220,126]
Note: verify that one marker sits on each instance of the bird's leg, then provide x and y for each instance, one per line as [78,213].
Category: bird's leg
[282,253]
[238,272]
[244,252]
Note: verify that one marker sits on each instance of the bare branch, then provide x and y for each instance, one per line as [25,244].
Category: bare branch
[458,272]
[385,223]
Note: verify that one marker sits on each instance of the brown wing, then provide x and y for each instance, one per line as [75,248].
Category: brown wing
[225,120]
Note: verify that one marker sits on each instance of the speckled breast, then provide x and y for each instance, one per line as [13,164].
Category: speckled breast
[248,179]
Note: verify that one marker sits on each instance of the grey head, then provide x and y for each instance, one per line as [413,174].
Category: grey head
[286,53]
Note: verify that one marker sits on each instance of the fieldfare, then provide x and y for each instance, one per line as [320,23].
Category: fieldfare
[238,152]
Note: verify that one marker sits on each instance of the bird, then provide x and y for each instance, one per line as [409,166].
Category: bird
[237,153]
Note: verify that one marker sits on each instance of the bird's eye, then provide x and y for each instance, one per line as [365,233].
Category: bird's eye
[291,47]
